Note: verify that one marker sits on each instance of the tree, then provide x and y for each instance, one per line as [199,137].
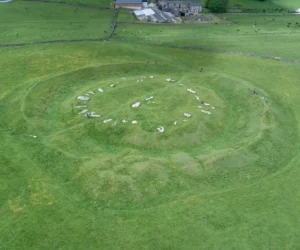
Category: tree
[217,6]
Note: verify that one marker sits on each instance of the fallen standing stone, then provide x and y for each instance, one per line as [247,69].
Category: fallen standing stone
[83,98]
[83,111]
[191,91]
[149,98]
[161,129]
[136,105]
[187,115]
[107,120]
[206,112]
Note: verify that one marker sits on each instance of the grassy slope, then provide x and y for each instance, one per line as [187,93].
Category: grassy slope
[43,205]
[235,32]
[253,4]
[290,4]
[46,209]
[27,21]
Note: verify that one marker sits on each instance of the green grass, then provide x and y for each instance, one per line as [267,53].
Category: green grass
[232,32]
[266,6]
[290,4]
[29,21]
[101,3]
[228,180]
[254,5]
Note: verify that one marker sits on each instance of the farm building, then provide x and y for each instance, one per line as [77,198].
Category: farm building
[129,4]
[155,15]
[180,8]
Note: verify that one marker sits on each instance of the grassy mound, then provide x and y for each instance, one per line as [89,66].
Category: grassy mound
[243,133]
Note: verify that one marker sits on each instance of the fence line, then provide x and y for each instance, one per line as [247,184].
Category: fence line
[52,41]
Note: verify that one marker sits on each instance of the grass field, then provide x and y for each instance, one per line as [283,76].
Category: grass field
[291,4]
[256,6]
[30,21]
[231,32]
[228,180]
[101,3]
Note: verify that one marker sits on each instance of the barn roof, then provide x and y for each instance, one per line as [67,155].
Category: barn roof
[129,1]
